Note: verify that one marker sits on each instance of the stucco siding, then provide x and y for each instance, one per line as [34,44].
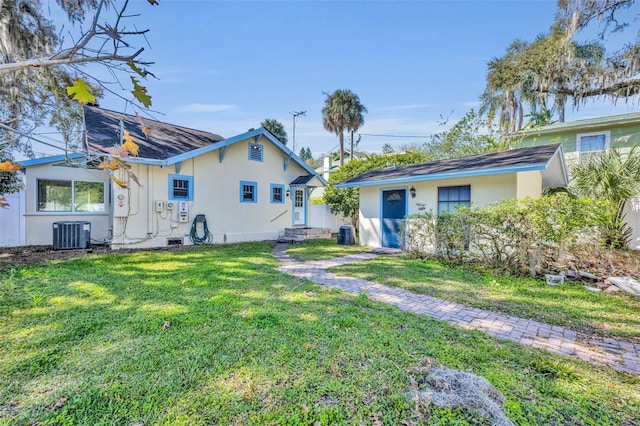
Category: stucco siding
[39,225]
[484,190]
[216,194]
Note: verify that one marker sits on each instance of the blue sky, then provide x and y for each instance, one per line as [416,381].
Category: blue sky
[225,66]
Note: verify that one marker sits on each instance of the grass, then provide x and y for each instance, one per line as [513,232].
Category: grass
[214,335]
[323,250]
[569,305]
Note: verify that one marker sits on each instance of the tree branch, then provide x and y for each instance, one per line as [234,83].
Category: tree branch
[45,62]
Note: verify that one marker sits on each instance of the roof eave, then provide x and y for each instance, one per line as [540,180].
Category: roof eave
[448,175]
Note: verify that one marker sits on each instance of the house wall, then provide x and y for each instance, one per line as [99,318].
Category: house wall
[622,136]
[39,225]
[484,190]
[216,194]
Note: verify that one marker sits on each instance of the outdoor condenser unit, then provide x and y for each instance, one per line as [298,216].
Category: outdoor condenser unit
[71,235]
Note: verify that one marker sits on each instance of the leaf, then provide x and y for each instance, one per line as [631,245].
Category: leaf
[147,131]
[8,166]
[109,165]
[3,202]
[154,2]
[129,145]
[140,92]
[142,73]
[81,91]
[119,182]
[166,325]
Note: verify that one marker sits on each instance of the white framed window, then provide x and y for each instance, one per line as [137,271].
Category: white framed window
[588,144]
[73,196]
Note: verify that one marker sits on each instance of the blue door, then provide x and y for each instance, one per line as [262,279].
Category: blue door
[394,209]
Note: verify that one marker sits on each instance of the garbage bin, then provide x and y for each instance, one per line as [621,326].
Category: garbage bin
[346,236]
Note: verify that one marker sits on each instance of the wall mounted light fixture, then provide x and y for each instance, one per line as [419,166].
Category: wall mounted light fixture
[287,193]
[412,191]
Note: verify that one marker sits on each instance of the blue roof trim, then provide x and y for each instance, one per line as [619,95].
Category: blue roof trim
[194,153]
[47,160]
[239,138]
[448,175]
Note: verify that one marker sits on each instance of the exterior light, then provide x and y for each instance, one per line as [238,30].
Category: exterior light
[412,191]
[287,193]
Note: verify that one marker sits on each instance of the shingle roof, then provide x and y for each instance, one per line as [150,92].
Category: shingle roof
[164,141]
[522,159]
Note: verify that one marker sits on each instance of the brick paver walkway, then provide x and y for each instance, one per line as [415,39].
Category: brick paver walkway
[620,355]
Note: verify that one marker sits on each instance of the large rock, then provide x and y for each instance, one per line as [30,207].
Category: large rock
[627,284]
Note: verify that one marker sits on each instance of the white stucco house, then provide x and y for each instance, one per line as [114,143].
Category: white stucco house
[390,194]
[248,187]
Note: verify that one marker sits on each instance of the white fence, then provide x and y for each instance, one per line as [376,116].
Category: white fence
[320,216]
[12,227]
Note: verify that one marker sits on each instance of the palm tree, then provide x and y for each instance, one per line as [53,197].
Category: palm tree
[276,129]
[613,176]
[342,111]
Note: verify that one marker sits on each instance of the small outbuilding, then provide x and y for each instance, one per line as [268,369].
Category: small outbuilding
[390,194]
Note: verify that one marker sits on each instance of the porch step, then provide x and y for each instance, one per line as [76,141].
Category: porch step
[293,235]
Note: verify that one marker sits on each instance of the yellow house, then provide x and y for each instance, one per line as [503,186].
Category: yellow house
[192,187]
[390,194]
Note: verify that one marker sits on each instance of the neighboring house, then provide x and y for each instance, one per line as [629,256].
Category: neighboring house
[249,187]
[583,138]
[390,194]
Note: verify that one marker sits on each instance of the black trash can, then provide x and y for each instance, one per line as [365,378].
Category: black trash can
[346,236]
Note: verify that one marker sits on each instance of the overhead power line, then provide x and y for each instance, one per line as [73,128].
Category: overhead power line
[396,136]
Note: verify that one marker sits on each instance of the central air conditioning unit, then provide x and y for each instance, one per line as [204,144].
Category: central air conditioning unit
[71,235]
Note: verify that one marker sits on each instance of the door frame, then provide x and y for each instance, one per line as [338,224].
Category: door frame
[305,202]
[381,197]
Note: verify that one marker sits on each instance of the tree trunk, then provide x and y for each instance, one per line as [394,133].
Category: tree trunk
[351,152]
[341,137]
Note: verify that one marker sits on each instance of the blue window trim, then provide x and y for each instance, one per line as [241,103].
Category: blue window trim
[271,188]
[255,191]
[189,179]
[251,147]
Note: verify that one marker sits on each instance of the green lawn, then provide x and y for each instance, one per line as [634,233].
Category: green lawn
[569,305]
[323,250]
[82,342]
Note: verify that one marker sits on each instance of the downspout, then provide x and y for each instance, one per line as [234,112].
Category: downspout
[149,202]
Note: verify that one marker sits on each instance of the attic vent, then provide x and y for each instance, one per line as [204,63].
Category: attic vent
[255,152]
[71,235]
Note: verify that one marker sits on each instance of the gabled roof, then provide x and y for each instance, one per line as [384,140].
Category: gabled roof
[547,158]
[186,144]
[585,125]
[164,140]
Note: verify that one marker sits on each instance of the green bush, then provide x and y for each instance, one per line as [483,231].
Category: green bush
[515,236]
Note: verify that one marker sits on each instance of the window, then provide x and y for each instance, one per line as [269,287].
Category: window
[248,192]
[255,152]
[451,196]
[181,187]
[277,193]
[70,196]
[588,144]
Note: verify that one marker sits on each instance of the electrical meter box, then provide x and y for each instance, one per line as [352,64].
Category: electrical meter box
[183,211]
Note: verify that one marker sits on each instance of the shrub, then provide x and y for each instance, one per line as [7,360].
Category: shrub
[511,236]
